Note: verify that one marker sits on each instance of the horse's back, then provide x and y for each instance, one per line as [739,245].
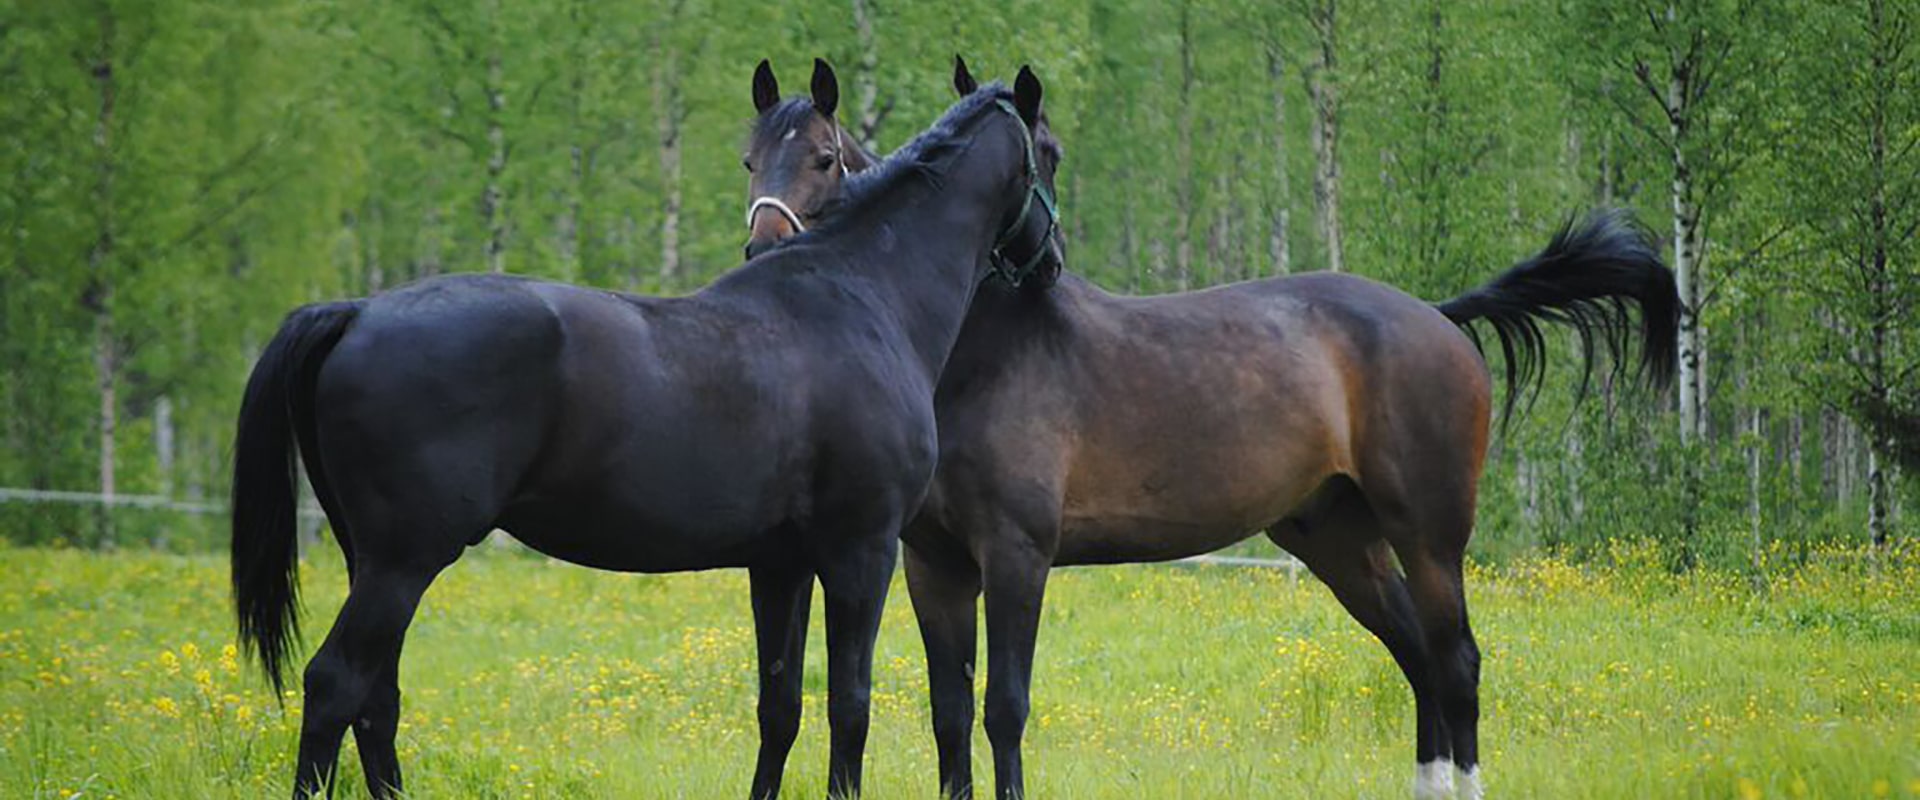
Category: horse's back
[1189,420]
[427,354]
[622,432]
[479,398]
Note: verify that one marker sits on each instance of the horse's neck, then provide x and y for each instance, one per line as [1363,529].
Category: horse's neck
[997,304]
[1003,324]
[923,272]
[925,249]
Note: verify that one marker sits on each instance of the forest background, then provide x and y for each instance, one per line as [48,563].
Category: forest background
[176,176]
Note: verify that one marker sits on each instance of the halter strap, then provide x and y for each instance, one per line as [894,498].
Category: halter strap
[839,150]
[1014,276]
[775,204]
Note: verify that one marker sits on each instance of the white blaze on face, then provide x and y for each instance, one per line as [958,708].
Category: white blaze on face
[1433,780]
[1467,783]
[791,132]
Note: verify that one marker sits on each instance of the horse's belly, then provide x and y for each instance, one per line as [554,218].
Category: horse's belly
[1163,513]
[612,537]
[1135,540]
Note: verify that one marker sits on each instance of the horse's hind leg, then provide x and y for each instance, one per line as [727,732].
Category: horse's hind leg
[1342,546]
[374,731]
[1426,512]
[352,679]
[946,593]
[1440,599]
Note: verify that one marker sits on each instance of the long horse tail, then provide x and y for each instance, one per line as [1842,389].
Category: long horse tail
[1590,277]
[277,404]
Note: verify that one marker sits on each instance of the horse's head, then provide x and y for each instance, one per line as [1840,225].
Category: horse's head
[1033,247]
[797,157]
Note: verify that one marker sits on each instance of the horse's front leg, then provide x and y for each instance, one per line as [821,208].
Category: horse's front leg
[782,598]
[854,578]
[1015,582]
[946,595]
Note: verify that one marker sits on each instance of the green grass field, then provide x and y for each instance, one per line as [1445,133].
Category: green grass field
[529,679]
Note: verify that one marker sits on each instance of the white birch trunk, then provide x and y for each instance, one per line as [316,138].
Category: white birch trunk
[865,77]
[493,205]
[667,103]
[1184,193]
[671,177]
[1279,249]
[1323,92]
[1685,265]
[569,229]
[100,265]
[163,442]
[1879,282]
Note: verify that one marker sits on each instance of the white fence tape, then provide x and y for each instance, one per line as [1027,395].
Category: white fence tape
[150,501]
[1288,563]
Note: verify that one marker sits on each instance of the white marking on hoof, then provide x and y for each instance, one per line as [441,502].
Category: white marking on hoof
[1433,780]
[1467,783]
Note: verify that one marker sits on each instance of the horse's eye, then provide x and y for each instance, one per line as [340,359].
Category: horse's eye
[823,162]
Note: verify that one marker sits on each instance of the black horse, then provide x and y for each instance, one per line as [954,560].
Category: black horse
[1344,419]
[780,420]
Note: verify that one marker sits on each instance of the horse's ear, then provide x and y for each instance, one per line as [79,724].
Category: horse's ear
[766,90]
[963,81]
[826,88]
[1026,96]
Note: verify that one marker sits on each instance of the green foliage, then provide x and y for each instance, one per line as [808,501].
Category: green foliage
[261,155]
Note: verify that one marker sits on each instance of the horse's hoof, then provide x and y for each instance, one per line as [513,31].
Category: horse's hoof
[1433,780]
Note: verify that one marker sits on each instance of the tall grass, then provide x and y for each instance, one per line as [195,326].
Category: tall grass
[526,679]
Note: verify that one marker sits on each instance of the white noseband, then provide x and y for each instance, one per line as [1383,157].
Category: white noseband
[775,204]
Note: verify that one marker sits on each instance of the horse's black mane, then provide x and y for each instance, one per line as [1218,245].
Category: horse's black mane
[925,157]
[927,150]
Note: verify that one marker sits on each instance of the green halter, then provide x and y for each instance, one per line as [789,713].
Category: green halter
[1014,276]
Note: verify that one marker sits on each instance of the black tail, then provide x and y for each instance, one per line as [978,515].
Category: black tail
[265,555]
[1586,278]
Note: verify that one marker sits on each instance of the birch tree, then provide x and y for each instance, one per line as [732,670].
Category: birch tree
[1692,62]
[1322,77]
[1858,180]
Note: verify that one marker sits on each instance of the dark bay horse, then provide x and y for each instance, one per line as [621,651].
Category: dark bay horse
[798,158]
[1343,418]
[780,420]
